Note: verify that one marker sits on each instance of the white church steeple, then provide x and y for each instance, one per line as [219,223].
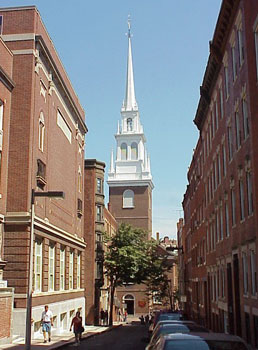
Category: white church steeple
[129,103]
[132,164]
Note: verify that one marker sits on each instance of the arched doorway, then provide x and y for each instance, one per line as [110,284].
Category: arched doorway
[129,301]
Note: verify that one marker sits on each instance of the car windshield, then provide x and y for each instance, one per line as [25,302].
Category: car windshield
[187,344]
[170,317]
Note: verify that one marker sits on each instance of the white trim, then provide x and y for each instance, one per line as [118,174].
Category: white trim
[18,37]
[123,183]
[24,52]
[58,231]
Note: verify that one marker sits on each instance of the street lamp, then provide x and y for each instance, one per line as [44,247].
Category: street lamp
[52,194]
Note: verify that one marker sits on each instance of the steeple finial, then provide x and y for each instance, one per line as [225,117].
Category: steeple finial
[130,100]
[129,26]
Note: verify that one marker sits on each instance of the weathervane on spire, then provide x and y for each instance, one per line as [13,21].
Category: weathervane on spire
[129,26]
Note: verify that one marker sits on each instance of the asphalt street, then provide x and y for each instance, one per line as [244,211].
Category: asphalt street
[126,337]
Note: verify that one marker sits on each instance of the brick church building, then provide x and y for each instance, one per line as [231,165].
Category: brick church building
[130,181]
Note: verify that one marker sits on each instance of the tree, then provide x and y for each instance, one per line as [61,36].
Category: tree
[125,259]
[132,258]
[157,267]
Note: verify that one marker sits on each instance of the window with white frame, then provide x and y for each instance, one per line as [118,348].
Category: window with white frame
[245,118]
[233,206]
[226,81]
[221,102]
[241,199]
[234,61]
[221,222]
[41,131]
[240,45]
[128,199]
[216,115]
[224,156]
[253,272]
[99,212]
[245,272]
[38,266]
[99,185]
[71,256]
[62,268]
[219,168]
[249,192]
[217,226]
[79,180]
[79,270]
[230,143]
[51,267]
[226,219]
[238,130]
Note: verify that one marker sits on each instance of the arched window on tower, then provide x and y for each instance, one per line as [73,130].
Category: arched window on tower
[134,151]
[128,199]
[124,151]
[129,124]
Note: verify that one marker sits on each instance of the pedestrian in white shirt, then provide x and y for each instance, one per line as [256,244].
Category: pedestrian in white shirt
[47,322]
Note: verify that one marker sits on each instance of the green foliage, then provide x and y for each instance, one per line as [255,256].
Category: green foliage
[132,258]
[125,255]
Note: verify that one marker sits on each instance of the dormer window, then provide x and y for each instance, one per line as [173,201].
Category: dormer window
[129,124]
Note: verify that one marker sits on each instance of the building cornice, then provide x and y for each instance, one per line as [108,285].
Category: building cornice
[23,218]
[217,48]
[128,183]
[6,80]
[39,39]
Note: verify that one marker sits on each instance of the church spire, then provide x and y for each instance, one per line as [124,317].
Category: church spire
[130,100]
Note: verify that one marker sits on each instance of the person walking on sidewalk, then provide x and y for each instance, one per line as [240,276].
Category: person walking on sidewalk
[47,322]
[77,327]
[102,317]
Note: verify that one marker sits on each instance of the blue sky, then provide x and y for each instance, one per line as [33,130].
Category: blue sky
[170,50]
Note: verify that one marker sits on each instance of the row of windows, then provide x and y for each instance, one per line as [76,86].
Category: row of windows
[125,151]
[218,280]
[52,267]
[223,154]
[244,195]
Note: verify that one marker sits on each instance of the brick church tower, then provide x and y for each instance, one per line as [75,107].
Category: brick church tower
[129,177]
[130,183]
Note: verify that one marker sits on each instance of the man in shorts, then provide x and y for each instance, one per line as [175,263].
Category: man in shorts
[47,322]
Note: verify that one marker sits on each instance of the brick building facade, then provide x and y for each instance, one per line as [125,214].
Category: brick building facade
[93,232]
[220,234]
[6,88]
[47,131]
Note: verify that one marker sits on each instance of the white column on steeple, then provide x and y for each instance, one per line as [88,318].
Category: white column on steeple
[130,100]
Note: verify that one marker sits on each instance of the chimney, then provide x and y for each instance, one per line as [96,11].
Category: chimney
[157,236]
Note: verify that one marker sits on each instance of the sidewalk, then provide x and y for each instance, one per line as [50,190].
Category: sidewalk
[58,340]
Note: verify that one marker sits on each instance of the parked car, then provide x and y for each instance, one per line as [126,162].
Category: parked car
[200,341]
[162,316]
[170,328]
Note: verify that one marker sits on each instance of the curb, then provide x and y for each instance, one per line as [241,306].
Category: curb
[71,341]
